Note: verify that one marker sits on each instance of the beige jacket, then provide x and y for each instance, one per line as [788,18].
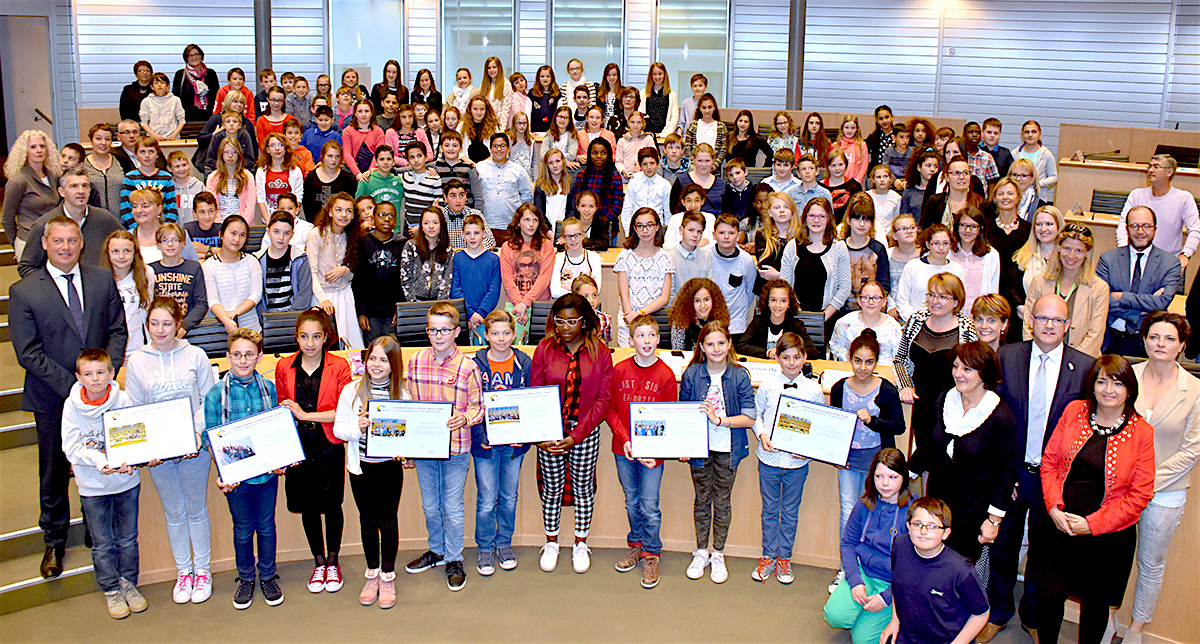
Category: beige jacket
[1176,421]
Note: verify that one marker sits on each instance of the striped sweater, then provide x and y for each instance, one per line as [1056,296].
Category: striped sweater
[163,182]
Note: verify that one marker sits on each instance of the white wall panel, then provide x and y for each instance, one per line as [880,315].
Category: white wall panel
[1182,100]
[533,37]
[640,26]
[298,38]
[421,40]
[758,49]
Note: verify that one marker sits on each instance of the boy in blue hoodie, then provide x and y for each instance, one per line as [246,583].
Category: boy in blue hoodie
[109,496]
[498,467]
[316,137]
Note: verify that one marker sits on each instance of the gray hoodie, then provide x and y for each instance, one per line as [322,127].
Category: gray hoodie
[83,443]
[153,376]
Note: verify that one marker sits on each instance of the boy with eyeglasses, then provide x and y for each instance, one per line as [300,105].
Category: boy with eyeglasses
[441,373]
[936,596]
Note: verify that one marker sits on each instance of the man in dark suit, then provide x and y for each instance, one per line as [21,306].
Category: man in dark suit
[1141,278]
[95,222]
[1040,377]
[54,314]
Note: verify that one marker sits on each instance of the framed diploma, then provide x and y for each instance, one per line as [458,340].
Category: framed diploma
[255,445]
[156,431]
[408,428]
[812,430]
[528,415]
[668,430]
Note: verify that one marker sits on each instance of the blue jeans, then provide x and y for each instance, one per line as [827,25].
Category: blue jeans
[641,485]
[781,491]
[112,520]
[182,486]
[253,510]
[442,483]
[496,482]
[850,488]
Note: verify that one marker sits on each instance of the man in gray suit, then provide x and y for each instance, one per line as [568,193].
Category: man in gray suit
[95,222]
[54,314]
[1141,278]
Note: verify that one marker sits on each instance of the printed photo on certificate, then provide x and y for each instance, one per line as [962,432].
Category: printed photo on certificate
[668,430]
[529,415]
[157,431]
[812,430]
[254,445]
[408,428]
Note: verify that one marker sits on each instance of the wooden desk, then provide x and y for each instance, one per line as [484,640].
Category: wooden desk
[1077,179]
[1137,142]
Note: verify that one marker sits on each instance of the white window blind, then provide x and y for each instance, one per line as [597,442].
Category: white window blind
[1183,84]
[589,30]
[533,37]
[298,38]
[758,54]
[421,38]
[640,48]
[692,37]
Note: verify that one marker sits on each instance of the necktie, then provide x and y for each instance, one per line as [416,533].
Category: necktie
[1036,428]
[74,305]
[1137,273]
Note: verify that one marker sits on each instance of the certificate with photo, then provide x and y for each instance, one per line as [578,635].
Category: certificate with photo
[156,431]
[668,430]
[255,445]
[812,430]
[408,428]
[527,415]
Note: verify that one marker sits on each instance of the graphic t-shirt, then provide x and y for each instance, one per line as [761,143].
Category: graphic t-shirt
[276,184]
[502,373]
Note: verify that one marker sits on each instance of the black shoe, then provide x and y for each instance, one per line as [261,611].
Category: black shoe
[271,591]
[244,595]
[52,562]
[456,577]
[427,560]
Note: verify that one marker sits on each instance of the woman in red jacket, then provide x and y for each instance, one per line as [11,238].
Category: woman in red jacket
[573,357]
[1097,477]
[309,383]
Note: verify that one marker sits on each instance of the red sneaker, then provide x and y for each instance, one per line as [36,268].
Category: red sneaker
[316,583]
[333,578]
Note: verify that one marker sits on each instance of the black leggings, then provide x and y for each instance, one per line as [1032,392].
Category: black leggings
[324,551]
[377,494]
[1093,617]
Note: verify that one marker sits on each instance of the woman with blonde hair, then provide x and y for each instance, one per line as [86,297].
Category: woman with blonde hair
[1071,274]
[33,168]
[496,88]
[1031,259]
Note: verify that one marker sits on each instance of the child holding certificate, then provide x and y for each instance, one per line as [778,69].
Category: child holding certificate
[573,358]
[715,378]
[640,378]
[374,482]
[498,467]
[781,475]
[243,392]
[441,373]
[109,496]
[309,383]
[166,368]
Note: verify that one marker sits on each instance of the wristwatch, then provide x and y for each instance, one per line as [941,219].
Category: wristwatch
[995,523]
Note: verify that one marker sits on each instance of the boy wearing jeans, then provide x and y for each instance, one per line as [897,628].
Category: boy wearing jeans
[643,377]
[440,373]
[240,393]
[498,467]
[109,496]
[935,594]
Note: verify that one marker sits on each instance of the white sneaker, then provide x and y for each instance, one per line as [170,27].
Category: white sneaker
[837,580]
[581,557]
[695,570]
[182,593]
[549,556]
[718,572]
[201,587]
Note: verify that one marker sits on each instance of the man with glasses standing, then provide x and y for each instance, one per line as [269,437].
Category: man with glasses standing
[504,186]
[1141,276]
[1174,209]
[1038,378]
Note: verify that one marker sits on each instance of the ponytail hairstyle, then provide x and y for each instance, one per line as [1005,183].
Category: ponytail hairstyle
[318,316]
[868,340]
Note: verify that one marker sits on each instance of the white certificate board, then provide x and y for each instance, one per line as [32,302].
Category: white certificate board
[812,430]
[408,428]
[528,415]
[156,431]
[668,430]
[255,445]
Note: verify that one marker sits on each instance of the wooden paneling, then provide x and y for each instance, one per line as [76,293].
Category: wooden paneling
[1137,142]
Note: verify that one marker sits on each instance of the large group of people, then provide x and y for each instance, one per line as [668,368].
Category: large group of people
[931,250]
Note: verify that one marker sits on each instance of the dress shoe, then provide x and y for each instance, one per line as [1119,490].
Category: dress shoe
[1032,633]
[989,631]
[52,562]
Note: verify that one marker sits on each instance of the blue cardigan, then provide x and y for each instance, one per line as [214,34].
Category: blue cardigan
[739,399]
[522,370]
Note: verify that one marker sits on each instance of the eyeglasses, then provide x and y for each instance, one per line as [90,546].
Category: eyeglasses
[925,527]
[644,227]
[573,236]
[959,173]
[870,299]
[819,216]
[1020,175]
[1140,227]
[939,244]
[966,226]
[571,322]
[1055,322]
[437,333]
[940,297]
[243,356]
[906,229]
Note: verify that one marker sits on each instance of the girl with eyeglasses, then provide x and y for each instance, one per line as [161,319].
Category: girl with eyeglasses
[872,300]
[937,243]
[817,264]
[981,262]
[1071,274]
[902,249]
[1024,173]
[644,271]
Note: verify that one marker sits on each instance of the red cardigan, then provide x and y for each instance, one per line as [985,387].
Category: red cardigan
[1128,466]
[550,361]
[334,376]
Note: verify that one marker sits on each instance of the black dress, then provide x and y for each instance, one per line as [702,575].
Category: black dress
[809,278]
[932,355]
[1011,286]
[1092,567]
[657,103]
[318,483]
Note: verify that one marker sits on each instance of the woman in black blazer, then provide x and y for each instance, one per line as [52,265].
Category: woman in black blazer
[975,456]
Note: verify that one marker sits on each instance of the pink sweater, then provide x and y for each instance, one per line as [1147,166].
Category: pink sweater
[531,287]
[353,139]
[857,158]
[392,139]
[247,200]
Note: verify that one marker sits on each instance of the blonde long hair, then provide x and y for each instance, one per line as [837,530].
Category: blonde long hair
[547,182]
[1027,252]
[18,155]
[771,234]
[1054,265]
